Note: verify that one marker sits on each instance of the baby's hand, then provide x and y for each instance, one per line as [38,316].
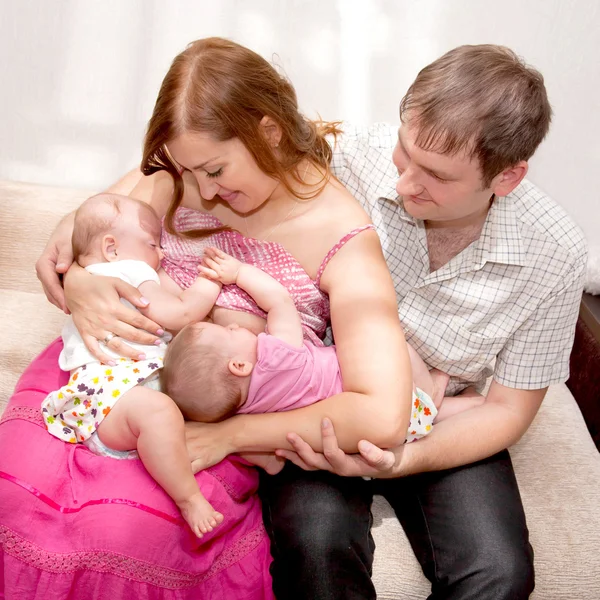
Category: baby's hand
[219,266]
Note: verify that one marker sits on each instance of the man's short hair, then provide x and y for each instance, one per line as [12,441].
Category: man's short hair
[481,100]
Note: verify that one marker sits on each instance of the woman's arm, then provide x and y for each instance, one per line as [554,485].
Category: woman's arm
[55,261]
[94,301]
[373,359]
[57,256]
[500,421]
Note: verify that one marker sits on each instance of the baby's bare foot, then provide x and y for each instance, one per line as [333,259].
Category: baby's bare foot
[440,383]
[199,514]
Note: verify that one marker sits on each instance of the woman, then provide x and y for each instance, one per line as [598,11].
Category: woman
[232,149]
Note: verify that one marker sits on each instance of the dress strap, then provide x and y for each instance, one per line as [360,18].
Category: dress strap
[335,249]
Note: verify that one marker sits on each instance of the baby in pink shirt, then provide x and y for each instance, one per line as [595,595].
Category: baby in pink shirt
[213,372]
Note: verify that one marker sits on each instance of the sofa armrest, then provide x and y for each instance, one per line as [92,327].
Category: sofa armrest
[584,381]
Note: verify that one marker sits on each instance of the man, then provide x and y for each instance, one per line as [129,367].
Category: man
[487,270]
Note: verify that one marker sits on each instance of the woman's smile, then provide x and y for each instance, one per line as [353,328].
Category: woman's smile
[228,196]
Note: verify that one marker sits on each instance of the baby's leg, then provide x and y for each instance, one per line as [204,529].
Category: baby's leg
[433,382]
[151,422]
[451,406]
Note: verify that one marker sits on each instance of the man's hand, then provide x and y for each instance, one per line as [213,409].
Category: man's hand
[371,462]
[219,266]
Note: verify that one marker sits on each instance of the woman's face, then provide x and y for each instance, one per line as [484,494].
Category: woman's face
[223,169]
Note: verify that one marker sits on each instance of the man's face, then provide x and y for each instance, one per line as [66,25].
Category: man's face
[440,188]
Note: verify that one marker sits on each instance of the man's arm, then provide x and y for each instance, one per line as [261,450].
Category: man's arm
[465,438]
[496,424]
[475,434]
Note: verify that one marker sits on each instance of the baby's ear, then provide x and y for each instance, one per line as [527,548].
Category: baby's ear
[240,367]
[109,248]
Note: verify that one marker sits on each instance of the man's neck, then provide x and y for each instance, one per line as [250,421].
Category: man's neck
[447,239]
[463,223]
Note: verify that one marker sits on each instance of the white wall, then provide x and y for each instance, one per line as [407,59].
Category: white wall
[79,77]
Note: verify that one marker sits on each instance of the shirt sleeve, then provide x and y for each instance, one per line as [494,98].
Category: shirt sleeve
[362,161]
[537,354]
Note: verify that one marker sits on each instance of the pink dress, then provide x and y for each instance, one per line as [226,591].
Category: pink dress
[182,256]
[77,525]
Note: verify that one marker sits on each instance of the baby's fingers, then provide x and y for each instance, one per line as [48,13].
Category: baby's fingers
[212,264]
[218,253]
[208,273]
[213,253]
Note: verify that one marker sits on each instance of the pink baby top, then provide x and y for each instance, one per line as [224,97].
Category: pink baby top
[183,255]
[287,377]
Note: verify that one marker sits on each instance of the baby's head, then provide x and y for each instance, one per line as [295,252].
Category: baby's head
[110,227]
[207,370]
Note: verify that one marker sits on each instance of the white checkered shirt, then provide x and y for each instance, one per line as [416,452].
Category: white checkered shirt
[506,305]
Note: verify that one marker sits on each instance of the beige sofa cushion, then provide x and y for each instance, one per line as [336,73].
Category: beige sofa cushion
[557,464]
[28,215]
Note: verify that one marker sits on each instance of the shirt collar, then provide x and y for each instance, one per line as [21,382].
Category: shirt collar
[500,240]
[390,195]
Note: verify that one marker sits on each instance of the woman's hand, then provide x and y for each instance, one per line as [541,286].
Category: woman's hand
[98,312]
[371,462]
[55,260]
[208,443]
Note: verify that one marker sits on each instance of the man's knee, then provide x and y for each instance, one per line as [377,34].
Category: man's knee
[320,537]
[511,574]
[499,573]
[321,532]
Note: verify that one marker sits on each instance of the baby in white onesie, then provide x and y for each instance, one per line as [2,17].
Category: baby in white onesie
[117,407]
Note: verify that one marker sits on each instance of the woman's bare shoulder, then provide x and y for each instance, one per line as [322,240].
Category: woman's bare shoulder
[338,210]
[323,222]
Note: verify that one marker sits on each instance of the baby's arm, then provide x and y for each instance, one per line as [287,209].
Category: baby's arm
[173,307]
[283,320]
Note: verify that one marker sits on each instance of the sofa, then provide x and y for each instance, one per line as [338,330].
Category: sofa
[556,462]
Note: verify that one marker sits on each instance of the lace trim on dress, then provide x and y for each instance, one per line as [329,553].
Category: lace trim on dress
[233,493]
[121,565]
[25,413]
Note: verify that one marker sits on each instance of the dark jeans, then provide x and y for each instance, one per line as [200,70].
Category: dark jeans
[466,527]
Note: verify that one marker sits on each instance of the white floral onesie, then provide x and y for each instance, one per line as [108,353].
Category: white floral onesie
[75,411]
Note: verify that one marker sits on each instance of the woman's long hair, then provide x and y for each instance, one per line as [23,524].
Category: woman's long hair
[218,87]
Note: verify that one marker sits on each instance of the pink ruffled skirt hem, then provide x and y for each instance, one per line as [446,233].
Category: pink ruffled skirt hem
[76,525]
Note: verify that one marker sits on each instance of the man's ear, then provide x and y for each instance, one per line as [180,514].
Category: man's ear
[240,367]
[109,248]
[504,183]
[271,130]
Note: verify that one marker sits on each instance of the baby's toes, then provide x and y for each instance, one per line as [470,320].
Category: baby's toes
[218,517]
